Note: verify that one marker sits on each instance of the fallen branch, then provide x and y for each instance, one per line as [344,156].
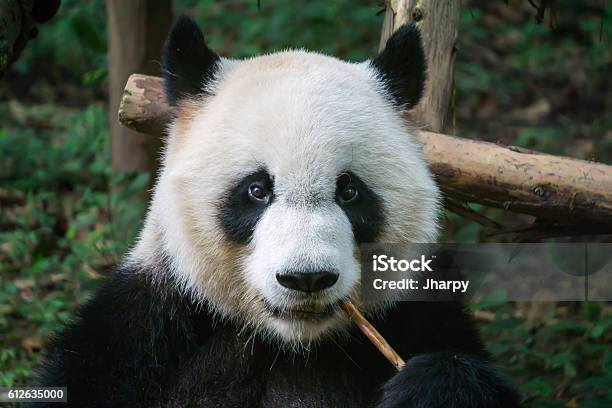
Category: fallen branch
[549,187]
[552,188]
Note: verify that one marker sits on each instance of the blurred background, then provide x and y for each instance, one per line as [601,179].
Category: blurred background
[66,217]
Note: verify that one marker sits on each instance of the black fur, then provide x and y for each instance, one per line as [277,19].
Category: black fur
[44,10]
[402,66]
[238,215]
[188,64]
[365,213]
[141,344]
[449,380]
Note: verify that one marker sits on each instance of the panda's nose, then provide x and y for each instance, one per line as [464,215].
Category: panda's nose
[307,281]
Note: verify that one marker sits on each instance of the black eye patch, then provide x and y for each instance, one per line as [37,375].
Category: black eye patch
[364,208]
[238,212]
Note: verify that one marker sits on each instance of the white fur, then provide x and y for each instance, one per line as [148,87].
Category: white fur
[306,118]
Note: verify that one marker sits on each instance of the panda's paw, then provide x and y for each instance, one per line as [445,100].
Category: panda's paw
[451,381]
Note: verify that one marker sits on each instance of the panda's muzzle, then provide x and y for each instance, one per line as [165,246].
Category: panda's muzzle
[309,282]
[310,311]
[306,286]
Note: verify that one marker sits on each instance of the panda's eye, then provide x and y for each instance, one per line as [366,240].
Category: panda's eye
[258,193]
[347,192]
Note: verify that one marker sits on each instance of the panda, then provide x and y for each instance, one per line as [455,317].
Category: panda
[275,170]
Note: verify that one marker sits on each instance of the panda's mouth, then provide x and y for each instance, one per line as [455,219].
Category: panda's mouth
[307,311]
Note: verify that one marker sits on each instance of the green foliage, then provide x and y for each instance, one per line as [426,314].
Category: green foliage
[72,45]
[526,84]
[75,219]
[552,351]
[239,29]
[67,232]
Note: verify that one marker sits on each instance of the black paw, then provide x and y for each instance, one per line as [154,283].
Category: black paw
[451,381]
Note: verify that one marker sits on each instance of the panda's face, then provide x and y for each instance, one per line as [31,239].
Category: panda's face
[272,180]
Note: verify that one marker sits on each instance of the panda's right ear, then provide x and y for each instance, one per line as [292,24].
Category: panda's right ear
[402,66]
[188,64]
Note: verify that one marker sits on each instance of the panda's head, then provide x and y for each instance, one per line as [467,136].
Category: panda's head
[276,169]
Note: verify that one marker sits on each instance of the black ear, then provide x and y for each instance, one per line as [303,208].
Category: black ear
[187,63]
[402,66]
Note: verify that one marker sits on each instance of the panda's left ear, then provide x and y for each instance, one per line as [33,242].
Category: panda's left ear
[188,64]
[402,66]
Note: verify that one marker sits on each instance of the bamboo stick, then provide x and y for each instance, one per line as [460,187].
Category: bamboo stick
[373,335]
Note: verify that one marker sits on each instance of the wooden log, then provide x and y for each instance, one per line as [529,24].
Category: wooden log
[549,187]
[556,188]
